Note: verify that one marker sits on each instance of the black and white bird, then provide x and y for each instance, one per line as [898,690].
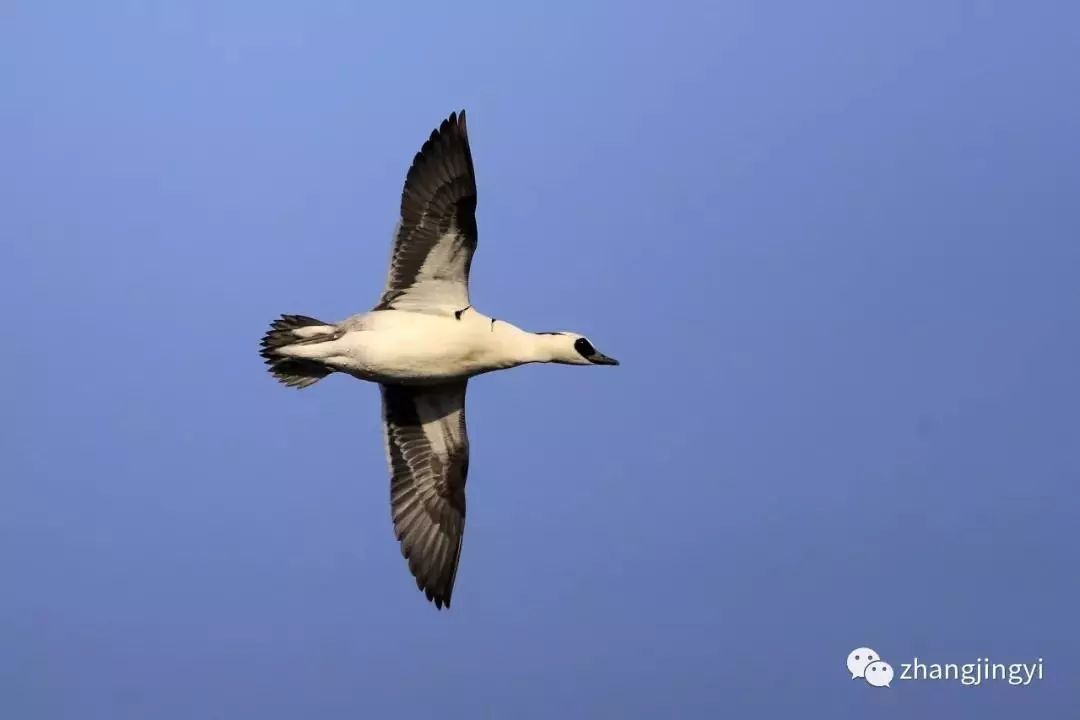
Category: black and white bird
[421,343]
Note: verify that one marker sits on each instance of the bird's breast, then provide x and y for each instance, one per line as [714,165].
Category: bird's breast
[414,347]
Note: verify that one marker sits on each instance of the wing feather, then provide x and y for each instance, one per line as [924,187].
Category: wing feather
[428,447]
[437,235]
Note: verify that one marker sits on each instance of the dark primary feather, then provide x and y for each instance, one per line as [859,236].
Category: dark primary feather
[437,234]
[428,446]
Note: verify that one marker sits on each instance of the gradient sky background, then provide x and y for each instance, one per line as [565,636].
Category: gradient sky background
[835,245]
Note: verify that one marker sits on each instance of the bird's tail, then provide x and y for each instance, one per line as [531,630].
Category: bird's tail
[296,330]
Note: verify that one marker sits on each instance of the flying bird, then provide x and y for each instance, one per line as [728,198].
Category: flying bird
[421,343]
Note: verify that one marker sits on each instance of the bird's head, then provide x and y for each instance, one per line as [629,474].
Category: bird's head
[573,349]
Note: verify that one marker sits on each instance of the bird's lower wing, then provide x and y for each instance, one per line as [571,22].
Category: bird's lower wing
[428,448]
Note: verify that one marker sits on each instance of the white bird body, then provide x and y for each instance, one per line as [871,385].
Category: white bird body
[421,343]
[411,348]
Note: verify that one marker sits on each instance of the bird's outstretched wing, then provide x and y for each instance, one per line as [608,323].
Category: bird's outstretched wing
[428,447]
[436,236]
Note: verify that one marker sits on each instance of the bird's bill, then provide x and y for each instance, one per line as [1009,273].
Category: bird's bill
[602,359]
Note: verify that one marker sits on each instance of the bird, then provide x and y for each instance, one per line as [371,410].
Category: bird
[422,342]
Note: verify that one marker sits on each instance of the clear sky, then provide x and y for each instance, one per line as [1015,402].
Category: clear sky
[835,245]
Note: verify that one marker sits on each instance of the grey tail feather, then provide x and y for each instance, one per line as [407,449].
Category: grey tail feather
[294,372]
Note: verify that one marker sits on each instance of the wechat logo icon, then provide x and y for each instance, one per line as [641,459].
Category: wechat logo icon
[866,663]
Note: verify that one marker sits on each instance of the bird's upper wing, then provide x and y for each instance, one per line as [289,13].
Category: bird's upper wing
[429,459]
[436,236]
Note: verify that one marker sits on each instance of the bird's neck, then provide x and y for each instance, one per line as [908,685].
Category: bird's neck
[522,347]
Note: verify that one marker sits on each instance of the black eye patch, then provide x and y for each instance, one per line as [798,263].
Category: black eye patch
[584,347]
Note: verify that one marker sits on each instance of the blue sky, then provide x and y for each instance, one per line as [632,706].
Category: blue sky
[834,245]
